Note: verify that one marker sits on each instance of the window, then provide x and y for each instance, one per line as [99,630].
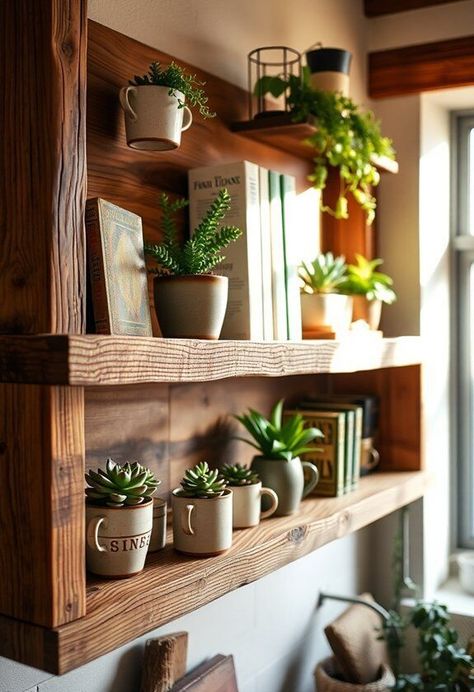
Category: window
[463,243]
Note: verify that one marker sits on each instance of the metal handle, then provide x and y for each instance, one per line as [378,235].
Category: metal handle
[271,493]
[93,534]
[313,477]
[125,101]
[186,525]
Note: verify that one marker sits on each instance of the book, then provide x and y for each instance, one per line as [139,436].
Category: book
[266,244]
[329,452]
[280,322]
[292,253]
[118,279]
[242,264]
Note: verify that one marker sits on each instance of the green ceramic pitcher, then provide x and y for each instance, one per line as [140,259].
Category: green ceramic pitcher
[286,478]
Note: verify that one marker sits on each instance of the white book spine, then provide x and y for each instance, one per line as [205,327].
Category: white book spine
[292,258]
[242,264]
[267,300]
[280,330]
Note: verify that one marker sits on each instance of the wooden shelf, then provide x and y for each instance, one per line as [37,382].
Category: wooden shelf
[280,132]
[114,360]
[172,585]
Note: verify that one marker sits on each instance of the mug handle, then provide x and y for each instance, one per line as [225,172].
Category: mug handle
[187,119]
[375,458]
[313,477]
[186,525]
[93,534]
[125,102]
[274,497]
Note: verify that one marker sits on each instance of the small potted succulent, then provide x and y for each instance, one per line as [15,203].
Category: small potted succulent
[155,110]
[369,289]
[202,513]
[323,307]
[190,301]
[278,464]
[119,518]
[247,492]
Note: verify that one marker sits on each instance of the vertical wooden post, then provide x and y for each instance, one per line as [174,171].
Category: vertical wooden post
[42,289]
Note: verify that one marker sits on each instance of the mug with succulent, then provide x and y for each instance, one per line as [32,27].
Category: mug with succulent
[346,138]
[155,106]
[247,491]
[278,464]
[369,290]
[191,301]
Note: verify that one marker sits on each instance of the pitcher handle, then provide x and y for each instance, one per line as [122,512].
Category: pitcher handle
[313,477]
[125,101]
[187,119]
[186,515]
[273,507]
[93,534]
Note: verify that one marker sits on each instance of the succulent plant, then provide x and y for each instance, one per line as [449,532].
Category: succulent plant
[119,486]
[324,274]
[200,481]
[363,279]
[236,475]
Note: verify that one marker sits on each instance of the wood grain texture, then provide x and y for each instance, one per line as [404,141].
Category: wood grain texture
[164,662]
[42,166]
[376,8]
[423,67]
[114,360]
[42,503]
[215,675]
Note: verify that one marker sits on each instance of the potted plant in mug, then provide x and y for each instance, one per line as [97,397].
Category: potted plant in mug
[190,301]
[155,110]
[278,464]
[323,307]
[247,492]
[119,518]
[369,289]
[202,513]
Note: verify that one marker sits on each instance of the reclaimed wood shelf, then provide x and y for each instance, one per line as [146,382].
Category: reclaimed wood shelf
[115,360]
[280,132]
[172,585]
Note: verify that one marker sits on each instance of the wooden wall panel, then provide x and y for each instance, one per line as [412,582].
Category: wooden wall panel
[375,8]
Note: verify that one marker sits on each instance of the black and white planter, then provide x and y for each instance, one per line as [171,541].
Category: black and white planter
[329,69]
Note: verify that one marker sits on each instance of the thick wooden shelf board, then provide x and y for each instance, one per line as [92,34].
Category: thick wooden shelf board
[114,360]
[172,585]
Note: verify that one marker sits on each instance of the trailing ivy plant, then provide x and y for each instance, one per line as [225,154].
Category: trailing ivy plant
[346,138]
[178,80]
[200,253]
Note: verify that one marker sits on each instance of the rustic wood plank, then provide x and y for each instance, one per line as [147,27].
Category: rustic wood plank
[423,67]
[115,360]
[29,644]
[217,674]
[164,662]
[376,8]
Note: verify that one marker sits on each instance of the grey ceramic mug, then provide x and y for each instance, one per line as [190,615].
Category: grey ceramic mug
[286,478]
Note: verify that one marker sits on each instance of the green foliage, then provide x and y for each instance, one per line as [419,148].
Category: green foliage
[238,475]
[325,274]
[275,440]
[362,279]
[177,79]
[117,486]
[202,482]
[346,138]
[202,252]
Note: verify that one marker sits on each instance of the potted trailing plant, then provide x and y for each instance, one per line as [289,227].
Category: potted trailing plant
[247,492]
[323,307]
[155,110]
[202,513]
[329,68]
[278,464]
[190,301]
[346,138]
[119,518]
[369,289]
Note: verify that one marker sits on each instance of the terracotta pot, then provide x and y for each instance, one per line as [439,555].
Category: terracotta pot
[191,306]
[153,120]
[326,680]
[329,69]
[286,478]
[326,311]
[158,533]
[247,505]
[202,526]
[117,539]
[370,311]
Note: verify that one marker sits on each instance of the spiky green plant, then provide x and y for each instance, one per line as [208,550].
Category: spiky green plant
[202,252]
[277,440]
[200,481]
[362,279]
[236,475]
[118,486]
[177,79]
[324,274]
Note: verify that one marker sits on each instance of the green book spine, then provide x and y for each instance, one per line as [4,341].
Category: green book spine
[359,415]
[349,450]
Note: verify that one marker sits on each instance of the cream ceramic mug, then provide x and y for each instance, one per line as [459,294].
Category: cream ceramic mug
[247,504]
[202,525]
[153,119]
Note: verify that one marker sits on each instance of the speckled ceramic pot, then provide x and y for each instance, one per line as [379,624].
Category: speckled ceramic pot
[286,478]
[202,526]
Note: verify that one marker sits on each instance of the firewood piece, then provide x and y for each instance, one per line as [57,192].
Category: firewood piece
[164,662]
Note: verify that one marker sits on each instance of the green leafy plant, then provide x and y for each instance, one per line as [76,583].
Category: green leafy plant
[346,138]
[277,440]
[118,486]
[178,80]
[236,475]
[325,274]
[202,252]
[362,279]
[200,481]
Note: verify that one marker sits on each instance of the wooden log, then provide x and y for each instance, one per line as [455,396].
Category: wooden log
[164,662]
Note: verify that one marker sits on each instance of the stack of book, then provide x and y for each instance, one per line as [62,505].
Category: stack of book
[264,299]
